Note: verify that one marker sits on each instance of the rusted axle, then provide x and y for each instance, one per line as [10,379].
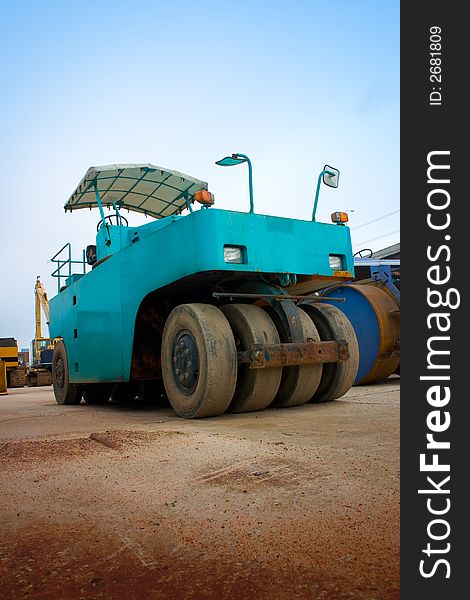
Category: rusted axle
[232,295]
[261,356]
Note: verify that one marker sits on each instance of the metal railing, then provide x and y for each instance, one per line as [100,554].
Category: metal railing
[67,264]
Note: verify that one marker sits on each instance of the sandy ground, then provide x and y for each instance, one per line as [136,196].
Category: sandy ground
[129,501]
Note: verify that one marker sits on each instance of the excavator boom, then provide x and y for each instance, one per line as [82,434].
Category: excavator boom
[40,343]
[41,300]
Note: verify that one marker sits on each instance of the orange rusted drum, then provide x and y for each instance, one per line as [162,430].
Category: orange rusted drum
[375,315]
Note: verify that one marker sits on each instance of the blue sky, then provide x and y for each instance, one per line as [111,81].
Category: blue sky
[181,84]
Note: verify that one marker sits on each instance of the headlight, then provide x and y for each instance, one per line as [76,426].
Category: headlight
[336,262]
[233,254]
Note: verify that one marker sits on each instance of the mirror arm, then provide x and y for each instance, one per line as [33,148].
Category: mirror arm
[250,184]
[237,159]
[250,177]
[317,193]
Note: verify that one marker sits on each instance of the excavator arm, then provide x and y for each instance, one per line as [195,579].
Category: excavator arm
[39,342]
[41,301]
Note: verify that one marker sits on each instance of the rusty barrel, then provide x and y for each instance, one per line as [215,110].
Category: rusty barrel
[375,315]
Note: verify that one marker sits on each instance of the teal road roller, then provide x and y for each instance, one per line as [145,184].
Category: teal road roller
[215,309]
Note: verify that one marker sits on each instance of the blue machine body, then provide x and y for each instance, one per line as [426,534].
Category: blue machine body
[95,312]
[365,323]
[373,315]
[380,271]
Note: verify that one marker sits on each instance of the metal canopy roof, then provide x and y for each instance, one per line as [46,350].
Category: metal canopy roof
[143,188]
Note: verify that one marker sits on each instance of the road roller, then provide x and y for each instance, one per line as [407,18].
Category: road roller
[372,305]
[214,310]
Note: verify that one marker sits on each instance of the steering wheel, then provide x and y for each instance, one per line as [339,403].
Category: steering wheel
[359,253]
[110,218]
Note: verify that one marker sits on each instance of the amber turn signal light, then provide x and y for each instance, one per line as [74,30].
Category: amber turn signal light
[339,217]
[204,197]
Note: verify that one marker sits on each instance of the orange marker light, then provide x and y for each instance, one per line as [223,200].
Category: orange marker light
[204,197]
[339,217]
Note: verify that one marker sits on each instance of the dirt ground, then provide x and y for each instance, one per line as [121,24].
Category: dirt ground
[129,501]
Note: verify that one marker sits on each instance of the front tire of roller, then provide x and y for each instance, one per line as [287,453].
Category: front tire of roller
[332,324]
[64,391]
[256,388]
[199,361]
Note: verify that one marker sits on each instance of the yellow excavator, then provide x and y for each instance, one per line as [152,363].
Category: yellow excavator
[12,374]
[39,373]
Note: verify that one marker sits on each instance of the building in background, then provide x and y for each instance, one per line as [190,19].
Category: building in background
[389,252]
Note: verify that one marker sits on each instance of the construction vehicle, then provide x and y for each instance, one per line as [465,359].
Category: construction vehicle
[39,372]
[3,379]
[372,305]
[15,375]
[23,357]
[217,307]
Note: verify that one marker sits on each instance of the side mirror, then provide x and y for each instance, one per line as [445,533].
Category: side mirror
[238,159]
[90,254]
[330,176]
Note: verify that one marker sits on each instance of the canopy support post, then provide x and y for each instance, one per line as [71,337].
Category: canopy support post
[100,206]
